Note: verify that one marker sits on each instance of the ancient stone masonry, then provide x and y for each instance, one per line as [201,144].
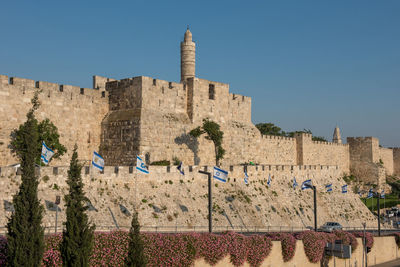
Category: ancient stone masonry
[153,118]
[77,113]
[168,200]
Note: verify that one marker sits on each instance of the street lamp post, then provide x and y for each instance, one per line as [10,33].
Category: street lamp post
[209,200]
[58,200]
[379,214]
[315,207]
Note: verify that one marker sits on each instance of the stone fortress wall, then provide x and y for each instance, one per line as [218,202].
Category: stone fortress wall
[153,118]
[167,200]
[77,113]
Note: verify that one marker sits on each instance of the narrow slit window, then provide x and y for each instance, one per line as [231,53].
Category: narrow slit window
[211,91]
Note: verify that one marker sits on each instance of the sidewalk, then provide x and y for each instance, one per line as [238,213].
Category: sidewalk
[395,263]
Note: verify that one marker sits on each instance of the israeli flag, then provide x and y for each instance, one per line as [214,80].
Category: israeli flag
[383,194]
[180,168]
[47,153]
[98,161]
[141,166]
[246,178]
[328,187]
[269,181]
[307,184]
[294,183]
[370,193]
[220,174]
[344,189]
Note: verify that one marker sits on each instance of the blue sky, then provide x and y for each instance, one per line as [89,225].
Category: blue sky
[306,64]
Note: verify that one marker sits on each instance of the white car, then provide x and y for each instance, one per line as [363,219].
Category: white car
[331,226]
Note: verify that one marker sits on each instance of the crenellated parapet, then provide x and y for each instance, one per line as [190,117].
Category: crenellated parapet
[76,111]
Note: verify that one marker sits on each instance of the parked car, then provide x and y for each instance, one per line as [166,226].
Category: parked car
[331,226]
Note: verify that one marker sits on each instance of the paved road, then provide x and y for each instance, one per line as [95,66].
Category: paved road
[395,263]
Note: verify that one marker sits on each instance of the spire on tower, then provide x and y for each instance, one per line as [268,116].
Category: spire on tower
[336,136]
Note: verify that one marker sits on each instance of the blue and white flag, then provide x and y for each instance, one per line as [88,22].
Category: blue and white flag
[294,183]
[220,174]
[140,166]
[246,178]
[47,153]
[370,193]
[98,161]
[269,181]
[344,189]
[328,187]
[307,184]
[180,168]
[383,194]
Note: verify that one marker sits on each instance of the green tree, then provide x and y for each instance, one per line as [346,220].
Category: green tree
[269,129]
[46,132]
[25,234]
[136,257]
[212,129]
[77,241]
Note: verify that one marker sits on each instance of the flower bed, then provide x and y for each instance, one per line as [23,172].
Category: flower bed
[111,249]
[288,244]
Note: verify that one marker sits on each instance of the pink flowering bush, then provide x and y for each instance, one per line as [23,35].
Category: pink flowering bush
[52,257]
[347,238]
[237,247]
[212,248]
[369,238]
[314,244]
[288,244]
[259,247]
[111,249]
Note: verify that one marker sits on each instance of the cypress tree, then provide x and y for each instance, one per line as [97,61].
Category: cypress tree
[136,256]
[25,235]
[77,242]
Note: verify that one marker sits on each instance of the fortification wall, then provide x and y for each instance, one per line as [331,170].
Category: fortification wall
[100,82]
[209,99]
[396,160]
[77,113]
[316,152]
[166,199]
[386,155]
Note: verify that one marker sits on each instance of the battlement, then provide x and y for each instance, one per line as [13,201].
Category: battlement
[129,171]
[48,87]
[328,143]
[303,135]
[276,137]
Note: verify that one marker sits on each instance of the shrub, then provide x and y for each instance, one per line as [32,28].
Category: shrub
[212,248]
[314,245]
[259,247]
[45,179]
[237,247]
[161,163]
[347,238]
[288,244]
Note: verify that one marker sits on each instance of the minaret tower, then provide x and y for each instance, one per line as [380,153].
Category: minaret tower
[188,54]
[336,136]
